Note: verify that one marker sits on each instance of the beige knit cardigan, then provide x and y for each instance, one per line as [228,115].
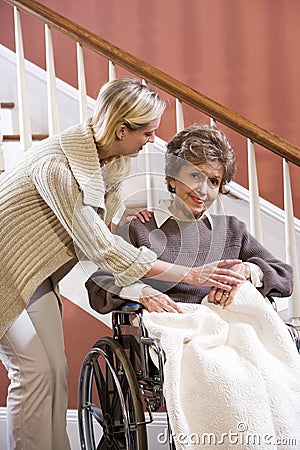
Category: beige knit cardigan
[57,196]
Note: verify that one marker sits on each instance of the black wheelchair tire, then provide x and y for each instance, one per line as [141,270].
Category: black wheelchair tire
[110,399]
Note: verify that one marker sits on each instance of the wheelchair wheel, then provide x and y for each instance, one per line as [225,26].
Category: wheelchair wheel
[110,407]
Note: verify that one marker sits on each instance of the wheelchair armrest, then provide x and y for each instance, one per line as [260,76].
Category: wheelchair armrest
[130,306]
[272,301]
[294,333]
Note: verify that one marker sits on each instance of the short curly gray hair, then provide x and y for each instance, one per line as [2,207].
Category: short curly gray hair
[199,144]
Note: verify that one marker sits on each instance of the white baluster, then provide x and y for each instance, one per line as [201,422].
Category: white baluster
[2,168]
[255,217]
[290,245]
[24,120]
[2,165]
[112,74]
[151,194]
[217,207]
[179,116]
[81,83]
[151,191]
[53,122]
[212,122]
[148,180]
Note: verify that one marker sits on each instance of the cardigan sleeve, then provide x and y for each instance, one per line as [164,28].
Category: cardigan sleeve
[55,183]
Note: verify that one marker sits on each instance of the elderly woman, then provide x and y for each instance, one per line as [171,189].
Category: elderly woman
[199,163]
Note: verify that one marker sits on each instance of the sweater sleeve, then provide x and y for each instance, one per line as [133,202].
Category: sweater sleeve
[59,189]
[277,275]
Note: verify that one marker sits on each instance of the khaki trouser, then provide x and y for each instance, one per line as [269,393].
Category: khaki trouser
[32,350]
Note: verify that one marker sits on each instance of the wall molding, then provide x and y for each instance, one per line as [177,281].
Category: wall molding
[156,430]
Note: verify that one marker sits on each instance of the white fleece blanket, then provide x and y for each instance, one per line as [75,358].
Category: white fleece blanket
[232,375]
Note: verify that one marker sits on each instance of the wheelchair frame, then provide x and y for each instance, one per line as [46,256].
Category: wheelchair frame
[118,382]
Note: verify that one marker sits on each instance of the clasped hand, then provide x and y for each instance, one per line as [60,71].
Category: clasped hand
[224,283]
[225,297]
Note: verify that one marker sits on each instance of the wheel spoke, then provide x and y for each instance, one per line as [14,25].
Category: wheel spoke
[116,407]
[103,445]
[96,412]
[87,417]
[101,385]
[111,400]
[117,445]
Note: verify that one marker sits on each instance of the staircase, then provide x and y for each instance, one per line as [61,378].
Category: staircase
[244,203]
[26,84]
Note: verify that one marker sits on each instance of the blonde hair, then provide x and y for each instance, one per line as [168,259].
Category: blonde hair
[124,101]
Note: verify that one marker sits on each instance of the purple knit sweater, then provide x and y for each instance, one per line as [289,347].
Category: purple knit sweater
[194,244]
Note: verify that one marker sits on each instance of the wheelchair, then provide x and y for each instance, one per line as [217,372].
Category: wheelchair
[118,383]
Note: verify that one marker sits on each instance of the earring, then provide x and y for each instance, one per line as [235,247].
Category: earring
[173,185]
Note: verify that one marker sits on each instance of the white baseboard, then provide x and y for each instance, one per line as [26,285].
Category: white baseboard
[156,430]
[2,428]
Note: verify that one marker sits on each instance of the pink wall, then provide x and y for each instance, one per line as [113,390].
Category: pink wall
[243,54]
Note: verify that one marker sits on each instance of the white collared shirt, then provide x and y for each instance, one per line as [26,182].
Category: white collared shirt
[163,213]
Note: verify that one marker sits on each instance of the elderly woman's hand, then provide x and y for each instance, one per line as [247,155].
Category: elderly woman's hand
[155,301]
[225,297]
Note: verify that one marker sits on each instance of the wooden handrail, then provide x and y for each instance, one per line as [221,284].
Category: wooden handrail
[161,80]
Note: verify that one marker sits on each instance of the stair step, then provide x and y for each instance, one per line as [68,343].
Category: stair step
[7,105]
[16,137]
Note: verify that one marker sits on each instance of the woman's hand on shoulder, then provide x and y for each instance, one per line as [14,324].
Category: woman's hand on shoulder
[129,215]
[143,216]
